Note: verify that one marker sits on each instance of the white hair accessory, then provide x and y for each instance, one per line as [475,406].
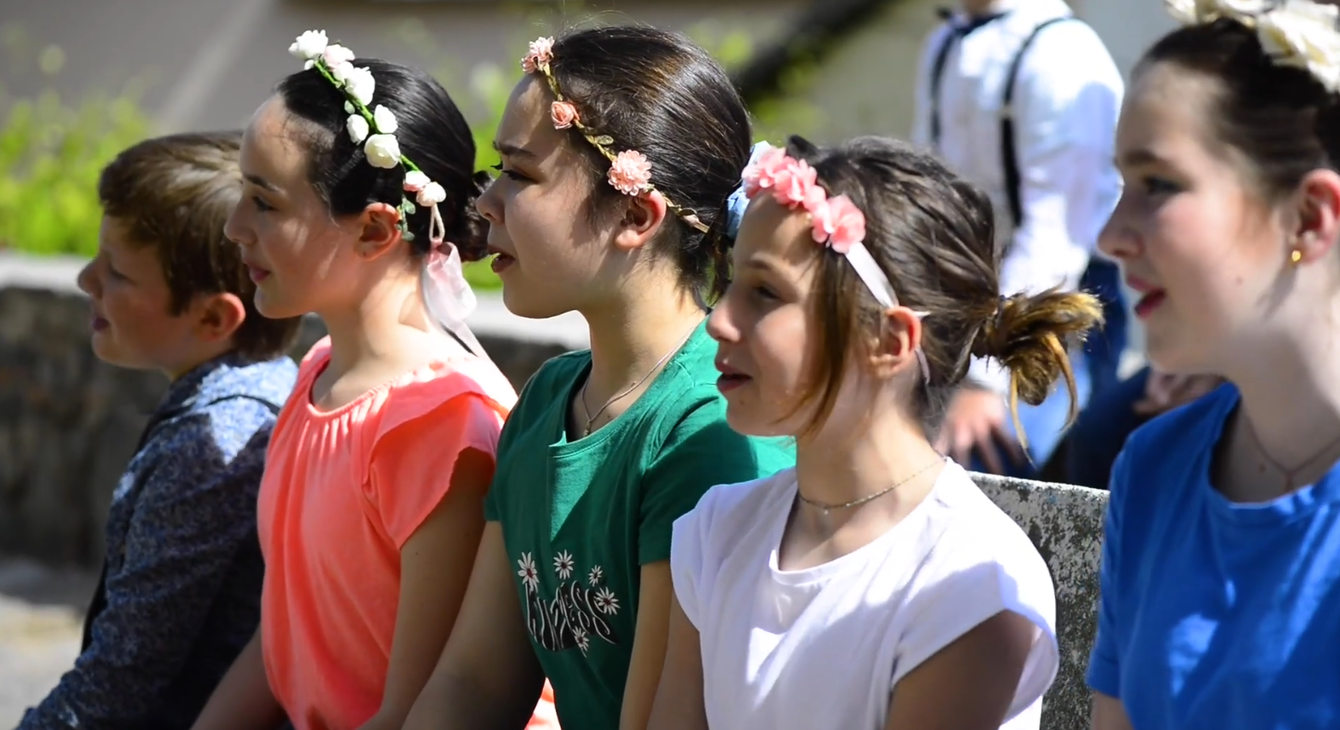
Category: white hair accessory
[1298,33]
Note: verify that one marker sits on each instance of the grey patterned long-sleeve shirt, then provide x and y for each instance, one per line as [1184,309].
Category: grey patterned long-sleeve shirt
[181,592]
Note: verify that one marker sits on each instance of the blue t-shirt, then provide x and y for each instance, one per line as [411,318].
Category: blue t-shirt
[1215,614]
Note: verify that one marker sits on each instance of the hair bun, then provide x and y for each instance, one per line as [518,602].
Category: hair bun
[1031,336]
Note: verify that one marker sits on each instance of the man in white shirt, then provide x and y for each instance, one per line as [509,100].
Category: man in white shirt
[1021,98]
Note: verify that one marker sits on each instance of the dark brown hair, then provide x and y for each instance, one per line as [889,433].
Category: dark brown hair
[933,235]
[432,133]
[174,195]
[659,93]
[1280,119]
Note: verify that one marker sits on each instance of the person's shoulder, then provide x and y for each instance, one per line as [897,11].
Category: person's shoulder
[1070,47]
[968,510]
[725,511]
[727,501]
[1185,430]
[557,374]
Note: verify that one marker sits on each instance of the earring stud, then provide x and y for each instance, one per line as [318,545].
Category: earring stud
[1295,256]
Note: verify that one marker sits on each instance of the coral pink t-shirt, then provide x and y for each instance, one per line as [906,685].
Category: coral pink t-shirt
[343,491]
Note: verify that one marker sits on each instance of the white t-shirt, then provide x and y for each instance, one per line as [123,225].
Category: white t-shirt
[824,647]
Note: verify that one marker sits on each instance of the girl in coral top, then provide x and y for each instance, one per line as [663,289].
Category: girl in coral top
[358,206]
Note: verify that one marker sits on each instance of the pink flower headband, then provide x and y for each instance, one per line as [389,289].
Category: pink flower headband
[630,170]
[835,222]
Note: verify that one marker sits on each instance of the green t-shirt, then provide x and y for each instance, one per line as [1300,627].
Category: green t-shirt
[580,518]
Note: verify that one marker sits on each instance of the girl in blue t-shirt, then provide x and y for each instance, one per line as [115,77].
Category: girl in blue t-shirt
[1221,571]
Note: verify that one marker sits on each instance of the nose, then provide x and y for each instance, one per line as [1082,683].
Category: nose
[87,280]
[719,324]
[489,205]
[1119,239]
[235,228]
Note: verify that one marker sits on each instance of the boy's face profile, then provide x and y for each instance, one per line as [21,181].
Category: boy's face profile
[132,321]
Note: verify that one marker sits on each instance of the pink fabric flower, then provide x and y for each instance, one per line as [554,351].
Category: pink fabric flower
[762,174]
[630,173]
[793,183]
[336,54]
[541,53]
[838,222]
[415,181]
[564,114]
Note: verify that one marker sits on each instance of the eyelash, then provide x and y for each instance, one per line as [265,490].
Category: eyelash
[509,173]
[261,205]
[1159,186]
[763,292]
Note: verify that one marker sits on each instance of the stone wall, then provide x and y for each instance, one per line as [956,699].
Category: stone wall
[68,424]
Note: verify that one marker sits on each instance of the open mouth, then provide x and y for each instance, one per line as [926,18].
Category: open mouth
[501,260]
[257,274]
[1150,302]
[730,378]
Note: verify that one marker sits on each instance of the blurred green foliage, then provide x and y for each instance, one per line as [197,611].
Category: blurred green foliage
[51,153]
[52,149]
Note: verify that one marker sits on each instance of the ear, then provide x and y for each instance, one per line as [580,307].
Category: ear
[894,351]
[1318,226]
[379,230]
[643,216]
[218,316]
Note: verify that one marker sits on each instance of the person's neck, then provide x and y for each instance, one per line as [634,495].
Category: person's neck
[1290,394]
[978,8]
[635,331]
[203,354]
[372,325]
[835,468]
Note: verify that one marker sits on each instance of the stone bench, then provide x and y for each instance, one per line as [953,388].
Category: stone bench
[68,424]
[1066,525]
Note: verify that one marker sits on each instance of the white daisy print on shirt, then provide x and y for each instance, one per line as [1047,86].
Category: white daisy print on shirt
[595,575]
[529,575]
[605,602]
[563,565]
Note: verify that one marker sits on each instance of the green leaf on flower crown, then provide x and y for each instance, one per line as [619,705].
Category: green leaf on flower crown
[605,139]
[407,236]
[408,207]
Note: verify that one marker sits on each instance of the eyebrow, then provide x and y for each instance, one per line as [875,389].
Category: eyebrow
[1140,156]
[261,182]
[511,150]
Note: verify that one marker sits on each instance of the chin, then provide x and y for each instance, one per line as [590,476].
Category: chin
[272,308]
[109,353]
[751,424]
[529,305]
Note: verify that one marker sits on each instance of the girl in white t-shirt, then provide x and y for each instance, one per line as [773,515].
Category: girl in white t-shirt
[873,585]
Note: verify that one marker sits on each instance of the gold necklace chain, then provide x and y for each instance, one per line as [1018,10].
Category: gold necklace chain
[1290,475]
[590,419]
[826,508]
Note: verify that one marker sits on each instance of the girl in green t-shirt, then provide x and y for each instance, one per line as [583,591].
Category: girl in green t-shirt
[619,149]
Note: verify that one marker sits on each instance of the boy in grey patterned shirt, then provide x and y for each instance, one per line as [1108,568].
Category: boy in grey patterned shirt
[180,593]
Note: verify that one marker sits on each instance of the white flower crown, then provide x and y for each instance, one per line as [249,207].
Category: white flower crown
[1298,33]
[374,129]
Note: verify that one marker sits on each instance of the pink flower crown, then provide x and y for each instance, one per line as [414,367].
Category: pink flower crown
[835,222]
[630,170]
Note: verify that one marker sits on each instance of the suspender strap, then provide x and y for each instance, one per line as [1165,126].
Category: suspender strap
[953,36]
[937,73]
[1009,150]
